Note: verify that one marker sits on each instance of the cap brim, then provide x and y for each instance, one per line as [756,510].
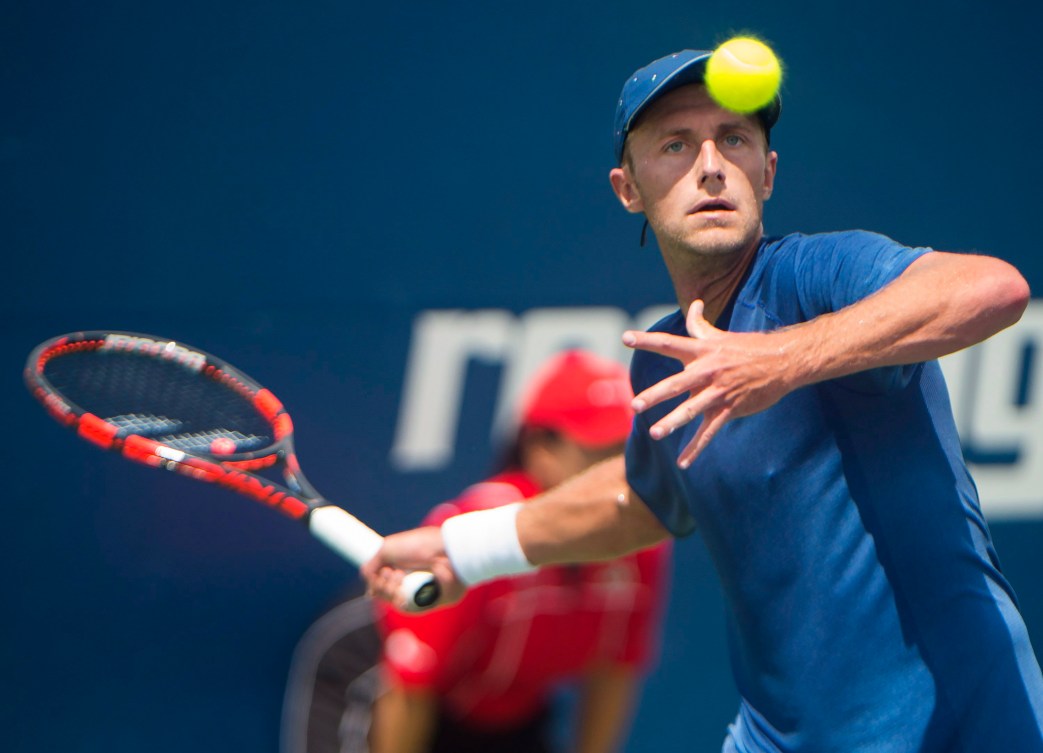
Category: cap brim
[690,72]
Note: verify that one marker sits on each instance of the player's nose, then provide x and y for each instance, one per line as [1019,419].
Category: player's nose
[710,164]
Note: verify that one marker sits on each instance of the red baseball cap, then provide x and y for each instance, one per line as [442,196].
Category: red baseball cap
[582,396]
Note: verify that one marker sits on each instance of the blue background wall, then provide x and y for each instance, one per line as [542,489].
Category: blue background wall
[290,185]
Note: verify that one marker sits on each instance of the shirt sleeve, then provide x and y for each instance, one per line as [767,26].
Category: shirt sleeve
[835,270]
[652,472]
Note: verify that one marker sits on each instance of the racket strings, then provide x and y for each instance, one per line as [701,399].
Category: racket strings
[164,400]
[203,441]
[173,434]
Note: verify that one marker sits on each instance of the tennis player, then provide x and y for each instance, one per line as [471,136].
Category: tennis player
[482,675]
[793,411]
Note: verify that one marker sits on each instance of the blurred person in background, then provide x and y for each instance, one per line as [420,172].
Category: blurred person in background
[484,673]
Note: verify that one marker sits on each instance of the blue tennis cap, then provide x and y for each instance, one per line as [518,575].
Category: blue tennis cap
[664,75]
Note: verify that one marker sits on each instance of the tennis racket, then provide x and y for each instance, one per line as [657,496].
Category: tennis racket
[173,406]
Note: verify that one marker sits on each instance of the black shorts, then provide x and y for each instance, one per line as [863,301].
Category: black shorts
[455,737]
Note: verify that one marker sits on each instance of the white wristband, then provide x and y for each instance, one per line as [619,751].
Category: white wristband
[483,545]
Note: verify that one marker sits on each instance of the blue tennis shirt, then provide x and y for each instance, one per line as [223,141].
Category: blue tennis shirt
[866,606]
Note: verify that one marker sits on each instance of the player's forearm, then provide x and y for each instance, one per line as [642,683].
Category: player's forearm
[593,516]
[942,303]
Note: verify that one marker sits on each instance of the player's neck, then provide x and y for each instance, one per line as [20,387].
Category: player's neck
[710,279]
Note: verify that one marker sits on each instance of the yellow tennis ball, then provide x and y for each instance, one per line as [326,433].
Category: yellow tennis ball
[743,75]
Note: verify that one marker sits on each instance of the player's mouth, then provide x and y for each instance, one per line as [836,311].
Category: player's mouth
[707,206]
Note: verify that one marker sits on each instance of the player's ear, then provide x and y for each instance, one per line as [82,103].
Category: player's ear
[625,188]
[770,165]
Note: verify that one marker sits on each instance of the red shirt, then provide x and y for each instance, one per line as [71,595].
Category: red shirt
[494,656]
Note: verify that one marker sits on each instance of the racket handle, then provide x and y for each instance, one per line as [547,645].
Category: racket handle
[358,543]
[420,590]
[344,533]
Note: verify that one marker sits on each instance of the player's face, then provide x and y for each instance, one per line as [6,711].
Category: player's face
[701,174]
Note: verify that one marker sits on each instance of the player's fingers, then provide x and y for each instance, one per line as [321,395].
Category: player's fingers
[383,560]
[684,349]
[384,583]
[694,318]
[369,569]
[408,550]
[675,346]
[452,588]
[707,431]
[683,414]
[689,380]
[697,325]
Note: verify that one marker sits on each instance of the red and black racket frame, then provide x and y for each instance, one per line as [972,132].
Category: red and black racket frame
[237,472]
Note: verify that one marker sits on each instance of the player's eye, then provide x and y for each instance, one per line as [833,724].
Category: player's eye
[675,147]
[734,139]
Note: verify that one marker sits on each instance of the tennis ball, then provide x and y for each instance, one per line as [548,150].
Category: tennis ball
[743,75]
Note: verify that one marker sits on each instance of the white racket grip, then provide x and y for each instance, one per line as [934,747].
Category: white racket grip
[344,533]
[354,540]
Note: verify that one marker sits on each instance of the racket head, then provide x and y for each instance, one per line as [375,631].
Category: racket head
[161,402]
[156,388]
[164,403]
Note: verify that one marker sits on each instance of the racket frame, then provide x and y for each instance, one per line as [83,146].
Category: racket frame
[298,499]
[235,471]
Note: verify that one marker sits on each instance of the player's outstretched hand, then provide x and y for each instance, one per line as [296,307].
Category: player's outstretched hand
[725,374]
[418,549]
